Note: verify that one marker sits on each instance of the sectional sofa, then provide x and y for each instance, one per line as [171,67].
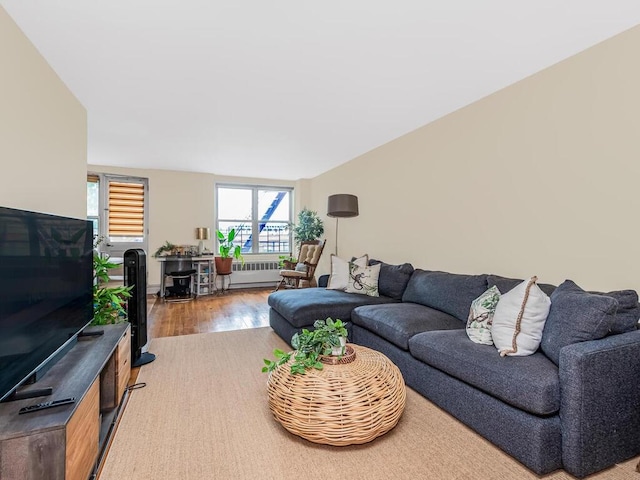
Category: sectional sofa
[573,404]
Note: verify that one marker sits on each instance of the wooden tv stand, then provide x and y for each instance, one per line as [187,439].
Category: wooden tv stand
[65,442]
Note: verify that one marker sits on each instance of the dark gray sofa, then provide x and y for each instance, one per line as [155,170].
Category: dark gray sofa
[582,414]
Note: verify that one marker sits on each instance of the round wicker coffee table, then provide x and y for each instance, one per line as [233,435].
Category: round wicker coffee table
[342,404]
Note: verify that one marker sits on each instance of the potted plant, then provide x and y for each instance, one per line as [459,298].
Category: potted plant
[108,302]
[228,251]
[328,337]
[309,226]
[168,248]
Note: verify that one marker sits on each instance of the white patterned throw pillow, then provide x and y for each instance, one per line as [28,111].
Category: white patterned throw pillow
[519,319]
[481,316]
[363,280]
[339,277]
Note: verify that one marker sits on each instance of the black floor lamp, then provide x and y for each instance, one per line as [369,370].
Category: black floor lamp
[342,205]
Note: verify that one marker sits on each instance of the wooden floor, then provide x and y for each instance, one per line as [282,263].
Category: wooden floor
[233,310]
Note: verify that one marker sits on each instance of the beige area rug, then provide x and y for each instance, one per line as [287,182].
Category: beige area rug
[204,415]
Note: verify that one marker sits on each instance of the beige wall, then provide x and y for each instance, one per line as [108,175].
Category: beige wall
[43,132]
[178,203]
[539,178]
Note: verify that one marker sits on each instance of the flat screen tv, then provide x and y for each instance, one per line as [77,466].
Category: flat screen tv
[46,290]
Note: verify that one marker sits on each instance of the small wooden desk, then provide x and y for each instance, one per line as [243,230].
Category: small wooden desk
[204,281]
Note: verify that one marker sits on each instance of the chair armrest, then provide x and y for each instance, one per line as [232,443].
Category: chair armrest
[288,265]
[600,402]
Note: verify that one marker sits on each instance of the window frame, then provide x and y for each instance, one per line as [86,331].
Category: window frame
[94,219]
[255,222]
[116,248]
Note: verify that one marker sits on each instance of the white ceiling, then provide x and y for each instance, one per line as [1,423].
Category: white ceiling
[289,89]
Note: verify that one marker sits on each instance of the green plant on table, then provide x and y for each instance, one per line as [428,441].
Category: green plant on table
[108,302]
[309,346]
[168,247]
[326,335]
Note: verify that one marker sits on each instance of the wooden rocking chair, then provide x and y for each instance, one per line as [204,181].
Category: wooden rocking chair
[301,275]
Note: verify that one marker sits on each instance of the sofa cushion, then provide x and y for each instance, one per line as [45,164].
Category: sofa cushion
[505,284]
[398,322]
[302,307]
[628,313]
[575,316]
[530,383]
[452,293]
[393,278]
[519,319]
[339,276]
[363,280]
[481,316]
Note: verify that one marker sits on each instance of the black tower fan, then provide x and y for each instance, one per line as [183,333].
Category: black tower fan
[135,275]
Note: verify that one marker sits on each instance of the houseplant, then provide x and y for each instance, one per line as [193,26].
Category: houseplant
[309,226]
[108,302]
[327,338]
[228,251]
[167,248]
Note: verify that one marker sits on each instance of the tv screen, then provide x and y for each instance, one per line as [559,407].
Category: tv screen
[46,289]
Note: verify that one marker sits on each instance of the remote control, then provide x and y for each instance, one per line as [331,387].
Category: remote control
[43,405]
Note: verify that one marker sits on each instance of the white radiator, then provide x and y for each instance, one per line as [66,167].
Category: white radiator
[265,272]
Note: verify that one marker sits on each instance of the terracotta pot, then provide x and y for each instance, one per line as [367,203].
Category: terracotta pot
[223,265]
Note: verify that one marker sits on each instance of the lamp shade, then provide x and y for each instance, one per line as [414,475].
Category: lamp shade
[343,205]
[203,233]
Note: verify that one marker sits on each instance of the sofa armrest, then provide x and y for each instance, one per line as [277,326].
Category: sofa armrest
[600,402]
[323,281]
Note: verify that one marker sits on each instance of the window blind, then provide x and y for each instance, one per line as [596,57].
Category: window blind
[126,209]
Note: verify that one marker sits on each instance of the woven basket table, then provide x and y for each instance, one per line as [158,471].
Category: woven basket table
[342,404]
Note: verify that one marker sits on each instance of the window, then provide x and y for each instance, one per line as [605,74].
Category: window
[93,203]
[125,222]
[117,207]
[262,213]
